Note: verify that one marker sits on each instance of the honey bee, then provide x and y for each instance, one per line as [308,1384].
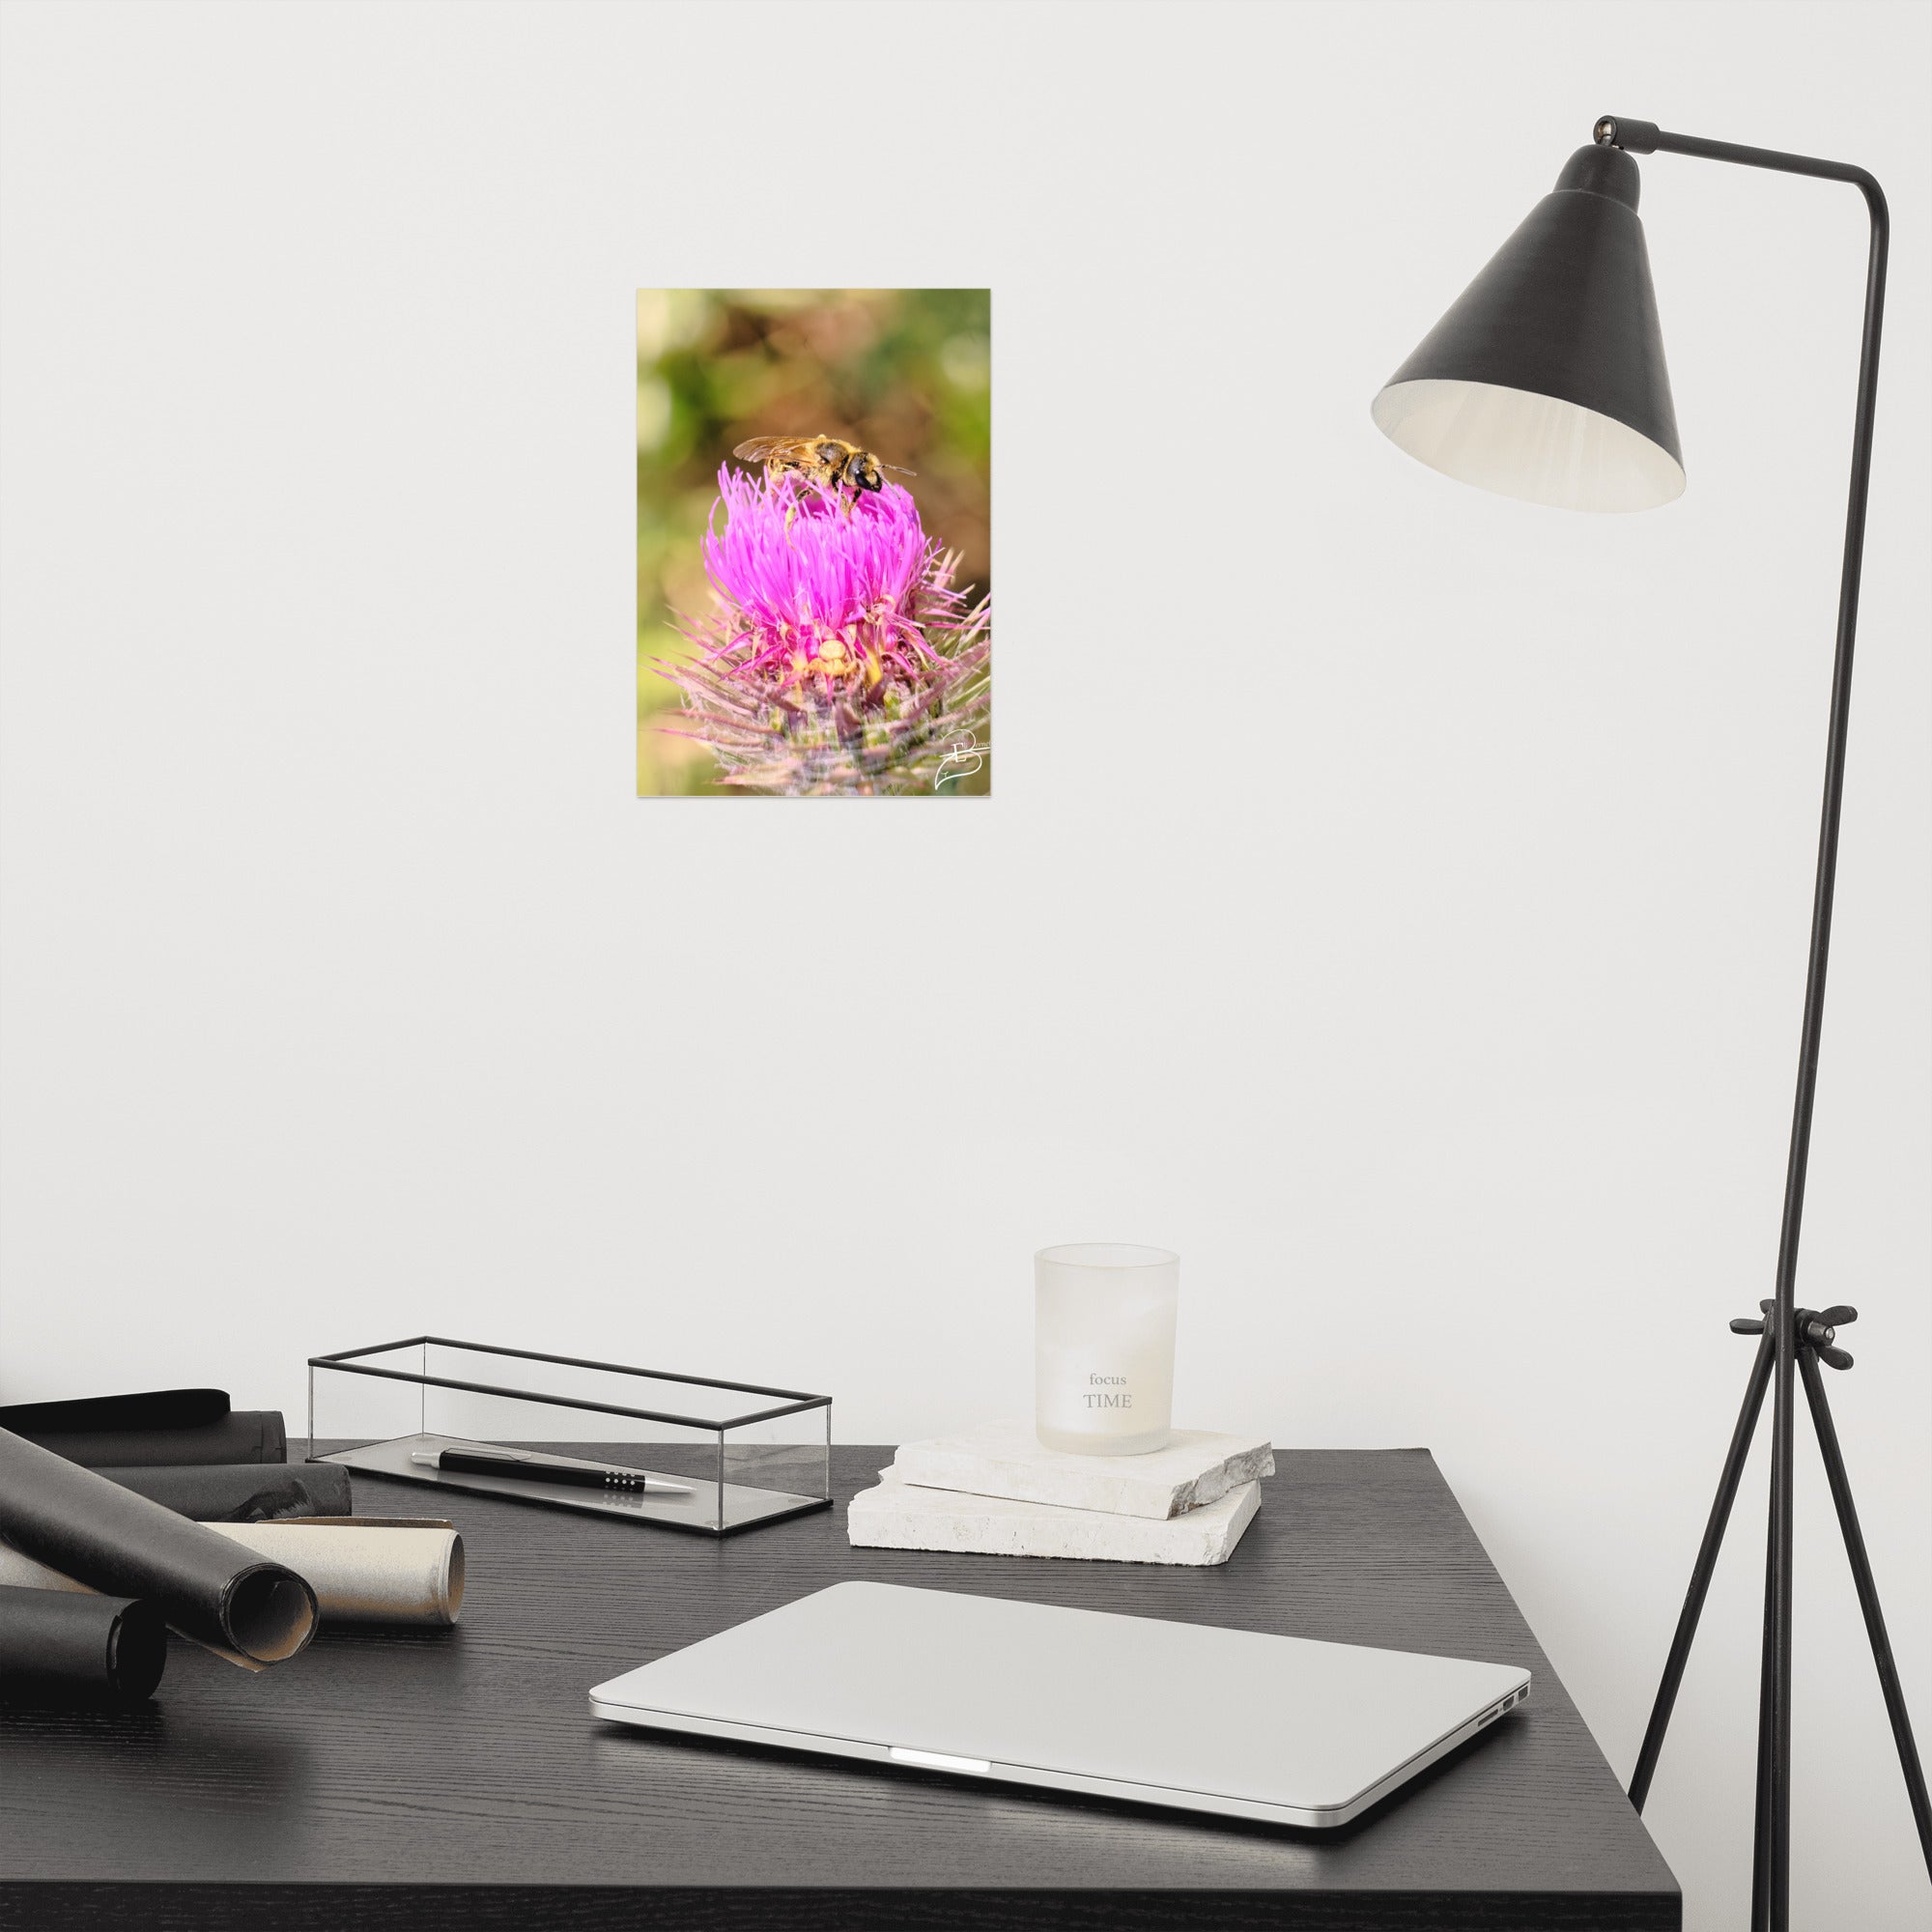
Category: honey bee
[824,459]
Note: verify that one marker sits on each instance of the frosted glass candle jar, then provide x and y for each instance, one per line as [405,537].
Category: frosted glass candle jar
[1103,1346]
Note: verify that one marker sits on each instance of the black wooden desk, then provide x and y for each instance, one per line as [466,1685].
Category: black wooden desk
[455,1778]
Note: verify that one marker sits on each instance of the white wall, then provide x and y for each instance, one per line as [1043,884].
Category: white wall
[1394,897]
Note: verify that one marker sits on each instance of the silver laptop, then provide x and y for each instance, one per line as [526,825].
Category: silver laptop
[1204,1720]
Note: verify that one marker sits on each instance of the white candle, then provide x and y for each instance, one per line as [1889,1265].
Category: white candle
[1103,1346]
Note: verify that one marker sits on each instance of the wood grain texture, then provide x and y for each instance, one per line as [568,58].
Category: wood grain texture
[455,1778]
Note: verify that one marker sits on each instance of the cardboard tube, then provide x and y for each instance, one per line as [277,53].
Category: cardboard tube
[243,1492]
[149,1408]
[363,1570]
[241,1436]
[367,1570]
[57,1645]
[122,1545]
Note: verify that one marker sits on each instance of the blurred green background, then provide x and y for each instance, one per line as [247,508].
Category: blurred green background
[904,373]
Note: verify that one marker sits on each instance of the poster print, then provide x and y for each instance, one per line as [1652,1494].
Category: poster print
[814,614]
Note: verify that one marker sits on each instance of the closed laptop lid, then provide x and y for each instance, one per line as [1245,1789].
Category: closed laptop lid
[1276,1721]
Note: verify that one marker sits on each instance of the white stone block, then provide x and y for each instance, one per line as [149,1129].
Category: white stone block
[1006,1459]
[901,1516]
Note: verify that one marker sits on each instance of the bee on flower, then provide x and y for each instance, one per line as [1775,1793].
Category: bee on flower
[840,657]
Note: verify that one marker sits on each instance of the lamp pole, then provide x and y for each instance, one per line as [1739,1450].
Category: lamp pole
[1772,1878]
[1546,381]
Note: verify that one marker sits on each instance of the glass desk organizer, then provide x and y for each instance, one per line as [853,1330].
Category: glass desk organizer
[741,1453]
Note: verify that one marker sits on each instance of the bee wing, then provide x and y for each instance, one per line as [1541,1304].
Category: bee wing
[761,449]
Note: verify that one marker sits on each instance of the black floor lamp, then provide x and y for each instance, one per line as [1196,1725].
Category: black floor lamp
[1546,381]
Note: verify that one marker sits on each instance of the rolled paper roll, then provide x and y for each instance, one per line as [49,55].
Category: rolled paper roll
[151,1409]
[241,1436]
[21,1571]
[363,1570]
[243,1492]
[123,1545]
[367,1570]
[55,1644]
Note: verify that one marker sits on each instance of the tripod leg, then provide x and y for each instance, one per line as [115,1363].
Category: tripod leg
[1761,1824]
[1777,1629]
[1862,1576]
[1700,1574]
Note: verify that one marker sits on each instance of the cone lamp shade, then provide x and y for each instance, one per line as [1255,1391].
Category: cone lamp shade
[1547,379]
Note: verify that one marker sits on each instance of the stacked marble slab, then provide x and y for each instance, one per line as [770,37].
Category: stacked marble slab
[996,1492]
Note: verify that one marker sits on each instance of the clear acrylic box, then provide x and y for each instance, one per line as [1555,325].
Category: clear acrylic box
[741,1453]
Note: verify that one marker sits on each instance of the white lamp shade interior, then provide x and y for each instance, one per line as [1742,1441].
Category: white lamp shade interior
[1535,447]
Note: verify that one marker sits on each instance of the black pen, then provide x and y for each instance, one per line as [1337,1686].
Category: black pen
[544,1469]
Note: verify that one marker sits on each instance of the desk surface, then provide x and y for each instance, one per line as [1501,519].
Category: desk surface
[454,1778]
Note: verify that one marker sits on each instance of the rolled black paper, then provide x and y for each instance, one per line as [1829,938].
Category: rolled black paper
[123,1545]
[243,1492]
[151,1409]
[241,1436]
[57,1644]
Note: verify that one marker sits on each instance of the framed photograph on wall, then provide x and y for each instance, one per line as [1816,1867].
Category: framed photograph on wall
[814,598]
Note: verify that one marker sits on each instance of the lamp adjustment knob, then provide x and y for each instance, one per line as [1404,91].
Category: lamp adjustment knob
[1818,1329]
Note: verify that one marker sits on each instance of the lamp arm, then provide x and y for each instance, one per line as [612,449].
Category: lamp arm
[1645,138]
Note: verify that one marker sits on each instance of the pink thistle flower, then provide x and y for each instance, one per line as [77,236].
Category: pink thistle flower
[840,657]
[817,576]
